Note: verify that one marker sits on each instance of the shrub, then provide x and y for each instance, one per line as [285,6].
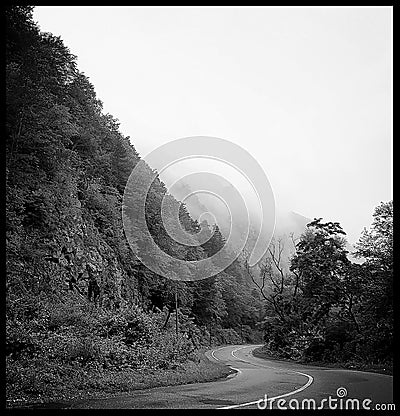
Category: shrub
[84,351]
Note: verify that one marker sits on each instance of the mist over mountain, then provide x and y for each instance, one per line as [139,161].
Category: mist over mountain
[203,206]
[289,225]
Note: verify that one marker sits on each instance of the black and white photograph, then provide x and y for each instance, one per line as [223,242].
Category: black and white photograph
[199,207]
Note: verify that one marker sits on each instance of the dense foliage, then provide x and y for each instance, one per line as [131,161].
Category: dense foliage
[326,308]
[76,297]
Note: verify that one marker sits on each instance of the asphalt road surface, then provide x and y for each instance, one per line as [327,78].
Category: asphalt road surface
[262,384]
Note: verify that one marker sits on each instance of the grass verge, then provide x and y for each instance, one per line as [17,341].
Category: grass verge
[78,384]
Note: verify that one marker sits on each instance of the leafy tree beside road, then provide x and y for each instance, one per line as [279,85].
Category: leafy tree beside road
[342,311]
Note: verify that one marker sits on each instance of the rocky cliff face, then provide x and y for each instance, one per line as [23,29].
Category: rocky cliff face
[83,253]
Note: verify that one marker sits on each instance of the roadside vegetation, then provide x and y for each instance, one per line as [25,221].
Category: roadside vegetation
[82,313]
[323,308]
[69,352]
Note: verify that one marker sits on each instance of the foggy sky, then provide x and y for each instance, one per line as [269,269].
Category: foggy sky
[307,91]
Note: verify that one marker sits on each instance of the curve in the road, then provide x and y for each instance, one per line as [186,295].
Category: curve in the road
[233,368]
[246,389]
[309,381]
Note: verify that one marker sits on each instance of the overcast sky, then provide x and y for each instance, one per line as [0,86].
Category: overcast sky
[307,91]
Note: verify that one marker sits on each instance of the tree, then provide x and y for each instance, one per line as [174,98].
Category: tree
[375,310]
[279,288]
[376,245]
[321,263]
[275,283]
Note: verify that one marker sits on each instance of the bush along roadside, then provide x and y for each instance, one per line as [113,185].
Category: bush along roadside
[68,352]
[355,364]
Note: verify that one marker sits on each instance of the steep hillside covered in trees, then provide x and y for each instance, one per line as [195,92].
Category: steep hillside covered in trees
[77,299]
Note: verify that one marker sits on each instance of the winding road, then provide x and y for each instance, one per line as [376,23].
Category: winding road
[254,378]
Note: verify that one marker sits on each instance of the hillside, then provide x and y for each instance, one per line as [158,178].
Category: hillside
[78,301]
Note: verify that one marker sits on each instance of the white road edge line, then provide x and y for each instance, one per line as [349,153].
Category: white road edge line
[233,368]
[213,351]
[309,382]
